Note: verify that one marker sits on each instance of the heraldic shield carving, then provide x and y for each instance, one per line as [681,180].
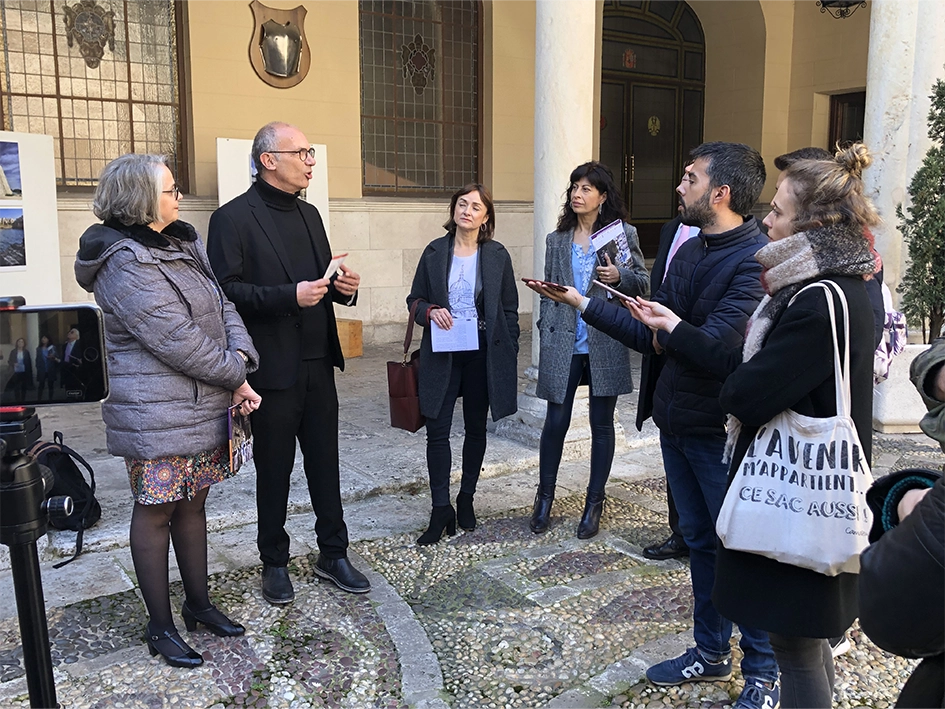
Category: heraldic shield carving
[278,50]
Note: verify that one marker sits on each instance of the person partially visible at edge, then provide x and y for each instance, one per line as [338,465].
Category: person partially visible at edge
[21,366]
[464,274]
[874,285]
[270,251]
[816,231]
[715,279]
[673,234]
[571,354]
[178,356]
[70,371]
[902,575]
[47,366]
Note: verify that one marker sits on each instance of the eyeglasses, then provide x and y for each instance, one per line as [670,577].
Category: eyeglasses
[175,190]
[301,152]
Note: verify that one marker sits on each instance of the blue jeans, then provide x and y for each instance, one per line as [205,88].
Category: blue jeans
[698,479]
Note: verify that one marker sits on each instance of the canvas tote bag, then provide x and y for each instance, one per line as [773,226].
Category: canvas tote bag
[799,494]
[403,382]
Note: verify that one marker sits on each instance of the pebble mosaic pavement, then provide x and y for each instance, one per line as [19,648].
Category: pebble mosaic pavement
[514,618]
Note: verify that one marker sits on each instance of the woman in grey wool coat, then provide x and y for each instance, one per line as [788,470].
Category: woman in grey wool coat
[572,354]
[178,355]
[464,274]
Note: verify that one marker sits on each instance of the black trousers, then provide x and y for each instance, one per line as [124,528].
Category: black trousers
[307,411]
[468,380]
[558,420]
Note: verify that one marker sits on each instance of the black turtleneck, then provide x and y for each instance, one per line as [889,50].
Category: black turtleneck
[297,242]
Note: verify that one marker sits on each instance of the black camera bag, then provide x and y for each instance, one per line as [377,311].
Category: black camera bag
[68,480]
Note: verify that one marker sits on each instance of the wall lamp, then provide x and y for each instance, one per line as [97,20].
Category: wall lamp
[840,9]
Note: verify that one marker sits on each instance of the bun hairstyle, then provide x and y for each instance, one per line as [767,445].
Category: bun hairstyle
[831,191]
[855,159]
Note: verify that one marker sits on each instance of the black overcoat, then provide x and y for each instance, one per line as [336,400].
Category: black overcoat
[500,311]
[794,369]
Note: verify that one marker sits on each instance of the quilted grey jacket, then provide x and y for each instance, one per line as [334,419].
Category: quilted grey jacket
[609,359]
[171,338]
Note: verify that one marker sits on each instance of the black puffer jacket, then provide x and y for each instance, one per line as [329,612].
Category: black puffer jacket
[713,283]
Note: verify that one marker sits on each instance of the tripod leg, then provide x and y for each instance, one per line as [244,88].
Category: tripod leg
[31,609]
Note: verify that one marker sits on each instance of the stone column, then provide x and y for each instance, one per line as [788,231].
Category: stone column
[906,56]
[928,67]
[566,79]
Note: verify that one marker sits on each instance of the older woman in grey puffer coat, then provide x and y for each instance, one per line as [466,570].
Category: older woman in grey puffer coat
[178,355]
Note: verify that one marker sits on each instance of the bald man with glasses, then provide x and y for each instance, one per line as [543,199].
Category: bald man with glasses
[269,251]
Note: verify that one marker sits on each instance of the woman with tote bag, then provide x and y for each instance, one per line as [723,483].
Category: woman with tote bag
[797,341]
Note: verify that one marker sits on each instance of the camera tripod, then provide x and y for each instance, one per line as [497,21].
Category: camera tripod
[24,515]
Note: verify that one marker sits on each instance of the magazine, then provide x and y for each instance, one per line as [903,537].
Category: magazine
[241,438]
[612,240]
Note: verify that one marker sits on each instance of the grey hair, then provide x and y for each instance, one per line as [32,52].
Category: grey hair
[129,189]
[266,140]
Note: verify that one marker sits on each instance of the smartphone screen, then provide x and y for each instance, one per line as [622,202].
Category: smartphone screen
[52,355]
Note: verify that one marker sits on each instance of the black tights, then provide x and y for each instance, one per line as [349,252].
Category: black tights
[806,671]
[557,421]
[152,528]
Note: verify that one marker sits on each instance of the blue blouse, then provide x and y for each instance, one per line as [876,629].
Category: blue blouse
[582,270]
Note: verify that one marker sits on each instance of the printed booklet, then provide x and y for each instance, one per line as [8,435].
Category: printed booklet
[611,240]
[241,438]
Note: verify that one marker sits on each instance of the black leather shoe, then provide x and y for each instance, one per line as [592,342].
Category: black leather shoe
[213,619]
[672,548]
[175,651]
[276,585]
[342,574]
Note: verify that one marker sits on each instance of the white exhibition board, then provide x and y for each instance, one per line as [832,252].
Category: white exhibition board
[235,173]
[29,222]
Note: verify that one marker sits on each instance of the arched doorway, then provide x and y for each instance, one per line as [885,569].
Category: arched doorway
[651,102]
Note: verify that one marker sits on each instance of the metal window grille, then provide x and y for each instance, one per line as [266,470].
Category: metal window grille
[129,102]
[420,77]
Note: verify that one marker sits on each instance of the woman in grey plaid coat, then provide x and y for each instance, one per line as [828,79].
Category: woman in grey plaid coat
[571,353]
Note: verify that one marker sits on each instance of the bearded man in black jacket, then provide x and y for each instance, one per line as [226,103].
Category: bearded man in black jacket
[713,282]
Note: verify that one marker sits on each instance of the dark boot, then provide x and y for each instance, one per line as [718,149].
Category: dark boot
[541,513]
[465,514]
[593,508]
[440,518]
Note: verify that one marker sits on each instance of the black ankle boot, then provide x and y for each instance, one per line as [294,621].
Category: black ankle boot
[465,515]
[541,513]
[590,521]
[440,518]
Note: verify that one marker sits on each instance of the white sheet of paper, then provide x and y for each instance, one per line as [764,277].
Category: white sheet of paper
[334,265]
[462,337]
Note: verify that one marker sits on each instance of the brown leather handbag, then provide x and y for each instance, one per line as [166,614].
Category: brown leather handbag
[403,379]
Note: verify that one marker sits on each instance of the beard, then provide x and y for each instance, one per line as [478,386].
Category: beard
[698,214]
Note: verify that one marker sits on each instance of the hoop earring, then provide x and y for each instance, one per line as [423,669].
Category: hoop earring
[600,208]
[482,227]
